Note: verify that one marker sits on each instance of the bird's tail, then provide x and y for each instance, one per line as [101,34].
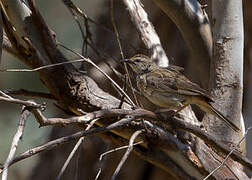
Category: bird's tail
[210,109]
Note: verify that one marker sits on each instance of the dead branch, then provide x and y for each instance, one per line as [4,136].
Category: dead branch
[111,151]
[138,113]
[194,25]
[147,32]
[229,154]
[55,143]
[127,153]
[28,93]
[79,93]
[17,137]
[77,145]
[219,146]
[31,104]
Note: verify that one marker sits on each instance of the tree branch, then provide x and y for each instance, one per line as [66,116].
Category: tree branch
[25,114]
[219,146]
[24,92]
[79,93]
[147,32]
[127,153]
[194,26]
[55,143]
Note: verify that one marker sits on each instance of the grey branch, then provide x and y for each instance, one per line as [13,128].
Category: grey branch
[15,141]
[147,32]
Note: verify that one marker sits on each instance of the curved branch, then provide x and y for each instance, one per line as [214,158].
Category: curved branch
[79,93]
[52,144]
[147,32]
[193,23]
[142,113]
[127,153]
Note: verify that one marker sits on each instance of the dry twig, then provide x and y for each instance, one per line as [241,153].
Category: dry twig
[14,145]
[28,93]
[77,145]
[74,10]
[229,154]
[120,48]
[127,153]
[55,143]
[30,104]
[111,151]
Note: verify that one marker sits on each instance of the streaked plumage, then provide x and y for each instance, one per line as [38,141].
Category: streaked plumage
[167,87]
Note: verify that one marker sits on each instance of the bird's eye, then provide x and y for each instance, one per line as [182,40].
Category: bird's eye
[147,69]
[137,60]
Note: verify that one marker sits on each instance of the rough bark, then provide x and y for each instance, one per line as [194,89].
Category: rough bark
[76,92]
[227,66]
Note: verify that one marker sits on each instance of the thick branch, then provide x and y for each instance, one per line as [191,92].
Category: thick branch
[219,146]
[147,32]
[79,93]
[227,65]
[194,25]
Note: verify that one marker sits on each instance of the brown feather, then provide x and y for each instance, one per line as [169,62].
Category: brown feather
[165,80]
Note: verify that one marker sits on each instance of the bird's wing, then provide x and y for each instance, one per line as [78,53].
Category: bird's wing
[172,81]
[175,68]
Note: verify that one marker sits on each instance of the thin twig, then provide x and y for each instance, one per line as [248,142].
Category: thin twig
[121,76]
[124,88]
[42,67]
[111,151]
[112,17]
[77,145]
[87,19]
[127,153]
[5,95]
[104,55]
[28,104]
[229,154]
[100,52]
[120,47]
[74,10]
[55,143]
[24,92]
[82,14]
[31,104]
[88,117]
[15,141]
[69,62]
[141,113]
[69,4]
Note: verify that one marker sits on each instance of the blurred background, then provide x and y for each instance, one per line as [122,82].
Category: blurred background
[86,162]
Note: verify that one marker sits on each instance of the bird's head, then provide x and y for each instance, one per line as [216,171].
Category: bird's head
[139,63]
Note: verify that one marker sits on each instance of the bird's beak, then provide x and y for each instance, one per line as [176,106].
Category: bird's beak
[127,61]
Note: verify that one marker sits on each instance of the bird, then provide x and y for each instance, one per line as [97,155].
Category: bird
[169,88]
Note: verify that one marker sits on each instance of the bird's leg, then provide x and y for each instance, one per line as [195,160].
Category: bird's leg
[180,109]
[172,111]
[176,132]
